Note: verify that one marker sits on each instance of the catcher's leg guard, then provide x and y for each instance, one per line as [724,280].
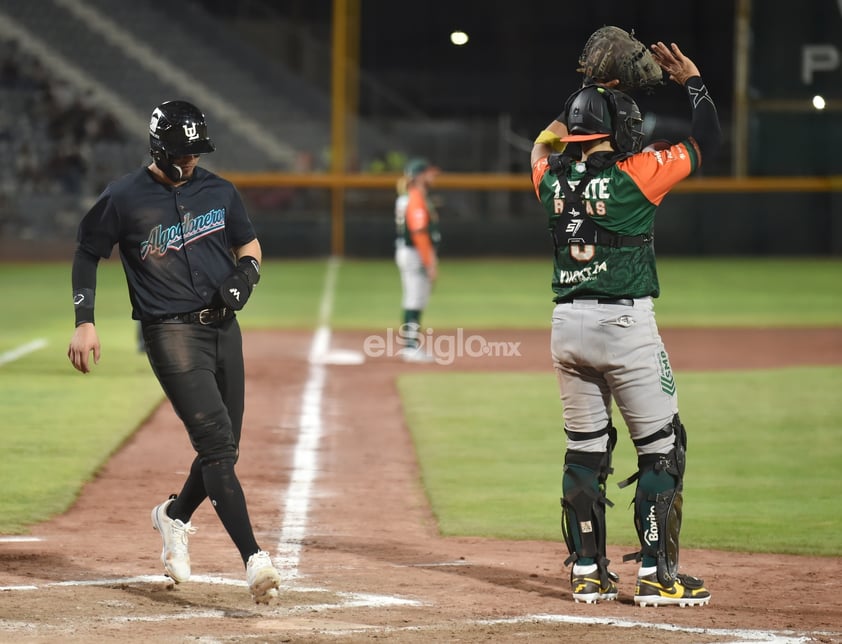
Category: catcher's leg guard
[657,504]
[583,504]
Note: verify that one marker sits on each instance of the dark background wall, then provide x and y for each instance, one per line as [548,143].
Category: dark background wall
[470,109]
[521,60]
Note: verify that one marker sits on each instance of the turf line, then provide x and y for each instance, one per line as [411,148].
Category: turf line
[22,350]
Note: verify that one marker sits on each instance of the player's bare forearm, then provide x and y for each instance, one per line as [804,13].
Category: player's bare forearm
[432,271]
[251,249]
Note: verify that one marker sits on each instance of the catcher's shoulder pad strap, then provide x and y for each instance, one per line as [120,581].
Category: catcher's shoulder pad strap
[573,225]
[560,163]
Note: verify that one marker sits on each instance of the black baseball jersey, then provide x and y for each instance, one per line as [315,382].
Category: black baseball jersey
[175,241]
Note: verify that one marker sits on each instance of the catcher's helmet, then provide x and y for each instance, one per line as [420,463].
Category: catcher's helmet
[178,128]
[595,112]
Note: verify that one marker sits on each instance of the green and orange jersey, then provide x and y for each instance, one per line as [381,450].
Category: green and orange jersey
[418,224]
[621,199]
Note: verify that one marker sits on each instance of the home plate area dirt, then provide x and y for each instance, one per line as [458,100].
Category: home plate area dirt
[347,521]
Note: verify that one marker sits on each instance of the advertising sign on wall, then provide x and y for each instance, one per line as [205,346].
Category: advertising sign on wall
[797,49]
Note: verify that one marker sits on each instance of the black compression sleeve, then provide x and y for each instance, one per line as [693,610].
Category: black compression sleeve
[705,127]
[83,277]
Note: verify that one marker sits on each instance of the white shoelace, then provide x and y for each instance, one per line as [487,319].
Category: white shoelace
[260,559]
[180,531]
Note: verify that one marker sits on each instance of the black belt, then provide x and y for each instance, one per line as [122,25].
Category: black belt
[621,301]
[204,317]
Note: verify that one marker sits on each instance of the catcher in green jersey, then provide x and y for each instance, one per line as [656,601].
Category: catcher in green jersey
[601,202]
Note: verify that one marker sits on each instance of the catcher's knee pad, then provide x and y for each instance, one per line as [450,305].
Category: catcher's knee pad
[584,501]
[657,503]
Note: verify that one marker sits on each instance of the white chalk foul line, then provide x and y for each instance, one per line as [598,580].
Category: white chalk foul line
[372,600]
[742,635]
[296,502]
[348,599]
[22,350]
[320,352]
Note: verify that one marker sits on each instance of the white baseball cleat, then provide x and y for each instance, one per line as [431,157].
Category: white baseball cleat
[174,556]
[262,577]
[415,354]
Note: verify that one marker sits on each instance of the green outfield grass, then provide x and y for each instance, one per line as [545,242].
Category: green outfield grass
[485,294]
[763,457]
[60,426]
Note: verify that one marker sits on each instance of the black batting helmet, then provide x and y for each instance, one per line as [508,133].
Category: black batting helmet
[596,112]
[178,128]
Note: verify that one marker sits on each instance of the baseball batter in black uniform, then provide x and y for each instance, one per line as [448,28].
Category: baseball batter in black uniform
[191,259]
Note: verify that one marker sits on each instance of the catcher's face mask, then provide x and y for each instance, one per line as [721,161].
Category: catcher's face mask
[628,130]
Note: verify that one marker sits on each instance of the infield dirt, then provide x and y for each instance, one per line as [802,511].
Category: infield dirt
[372,565]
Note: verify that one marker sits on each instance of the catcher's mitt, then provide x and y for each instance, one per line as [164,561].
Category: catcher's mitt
[613,53]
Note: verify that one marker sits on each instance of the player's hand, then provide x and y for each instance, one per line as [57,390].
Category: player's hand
[85,339]
[432,272]
[673,62]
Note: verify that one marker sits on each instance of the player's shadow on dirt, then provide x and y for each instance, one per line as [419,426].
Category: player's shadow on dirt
[195,597]
[35,565]
[400,554]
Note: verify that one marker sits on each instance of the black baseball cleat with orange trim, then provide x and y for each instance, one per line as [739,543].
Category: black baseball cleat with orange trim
[685,591]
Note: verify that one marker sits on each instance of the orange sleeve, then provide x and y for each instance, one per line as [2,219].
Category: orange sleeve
[418,223]
[538,171]
[424,247]
[655,172]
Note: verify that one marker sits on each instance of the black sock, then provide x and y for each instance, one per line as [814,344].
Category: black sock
[191,496]
[226,496]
